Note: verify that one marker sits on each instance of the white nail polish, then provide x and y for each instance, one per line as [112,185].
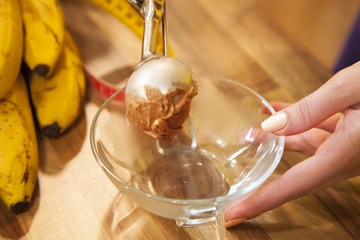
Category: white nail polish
[274,122]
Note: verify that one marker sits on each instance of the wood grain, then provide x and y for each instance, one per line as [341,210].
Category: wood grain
[75,200]
[320,26]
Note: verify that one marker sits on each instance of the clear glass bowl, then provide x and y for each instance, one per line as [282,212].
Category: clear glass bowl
[219,158]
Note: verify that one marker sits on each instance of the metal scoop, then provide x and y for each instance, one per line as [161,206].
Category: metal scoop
[154,70]
[159,115]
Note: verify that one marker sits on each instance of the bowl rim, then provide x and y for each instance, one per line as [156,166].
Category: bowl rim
[230,196]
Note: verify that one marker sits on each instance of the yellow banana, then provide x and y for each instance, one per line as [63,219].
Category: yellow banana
[44,34]
[19,159]
[58,99]
[123,11]
[11,43]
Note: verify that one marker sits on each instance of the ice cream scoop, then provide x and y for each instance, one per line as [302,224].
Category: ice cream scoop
[159,91]
[164,73]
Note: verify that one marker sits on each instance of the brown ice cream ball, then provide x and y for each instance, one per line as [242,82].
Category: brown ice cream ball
[158,96]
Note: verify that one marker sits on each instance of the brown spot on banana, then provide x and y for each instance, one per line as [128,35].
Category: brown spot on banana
[52,131]
[19,207]
[26,175]
[42,69]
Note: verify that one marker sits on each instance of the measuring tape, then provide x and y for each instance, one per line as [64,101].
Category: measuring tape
[125,13]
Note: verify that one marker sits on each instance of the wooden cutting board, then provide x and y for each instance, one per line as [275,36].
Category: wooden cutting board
[75,200]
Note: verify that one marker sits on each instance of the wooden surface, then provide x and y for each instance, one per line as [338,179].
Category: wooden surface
[75,200]
[321,26]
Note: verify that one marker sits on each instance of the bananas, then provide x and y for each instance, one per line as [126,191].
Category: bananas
[18,148]
[125,13]
[57,81]
[11,43]
[44,34]
[33,31]
[58,98]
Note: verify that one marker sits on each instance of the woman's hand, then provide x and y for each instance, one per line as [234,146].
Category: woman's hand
[325,125]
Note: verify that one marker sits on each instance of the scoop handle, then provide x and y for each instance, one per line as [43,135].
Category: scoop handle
[152,11]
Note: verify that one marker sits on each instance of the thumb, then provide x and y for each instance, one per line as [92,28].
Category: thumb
[339,93]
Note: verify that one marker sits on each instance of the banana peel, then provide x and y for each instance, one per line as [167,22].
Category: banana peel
[44,34]
[19,158]
[11,43]
[58,99]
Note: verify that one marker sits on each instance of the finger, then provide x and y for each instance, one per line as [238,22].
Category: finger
[307,142]
[254,136]
[327,125]
[340,92]
[287,187]
[341,177]
[277,106]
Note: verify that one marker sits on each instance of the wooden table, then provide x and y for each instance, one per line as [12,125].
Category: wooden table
[75,200]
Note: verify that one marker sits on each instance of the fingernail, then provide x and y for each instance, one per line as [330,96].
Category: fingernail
[274,122]
[234,222]
[355,106]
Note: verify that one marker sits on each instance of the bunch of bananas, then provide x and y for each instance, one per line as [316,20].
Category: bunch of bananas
[37,56]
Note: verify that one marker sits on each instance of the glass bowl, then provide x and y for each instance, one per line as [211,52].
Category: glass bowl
[220,157]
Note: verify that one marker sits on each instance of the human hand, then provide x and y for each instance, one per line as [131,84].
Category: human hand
[325,125]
